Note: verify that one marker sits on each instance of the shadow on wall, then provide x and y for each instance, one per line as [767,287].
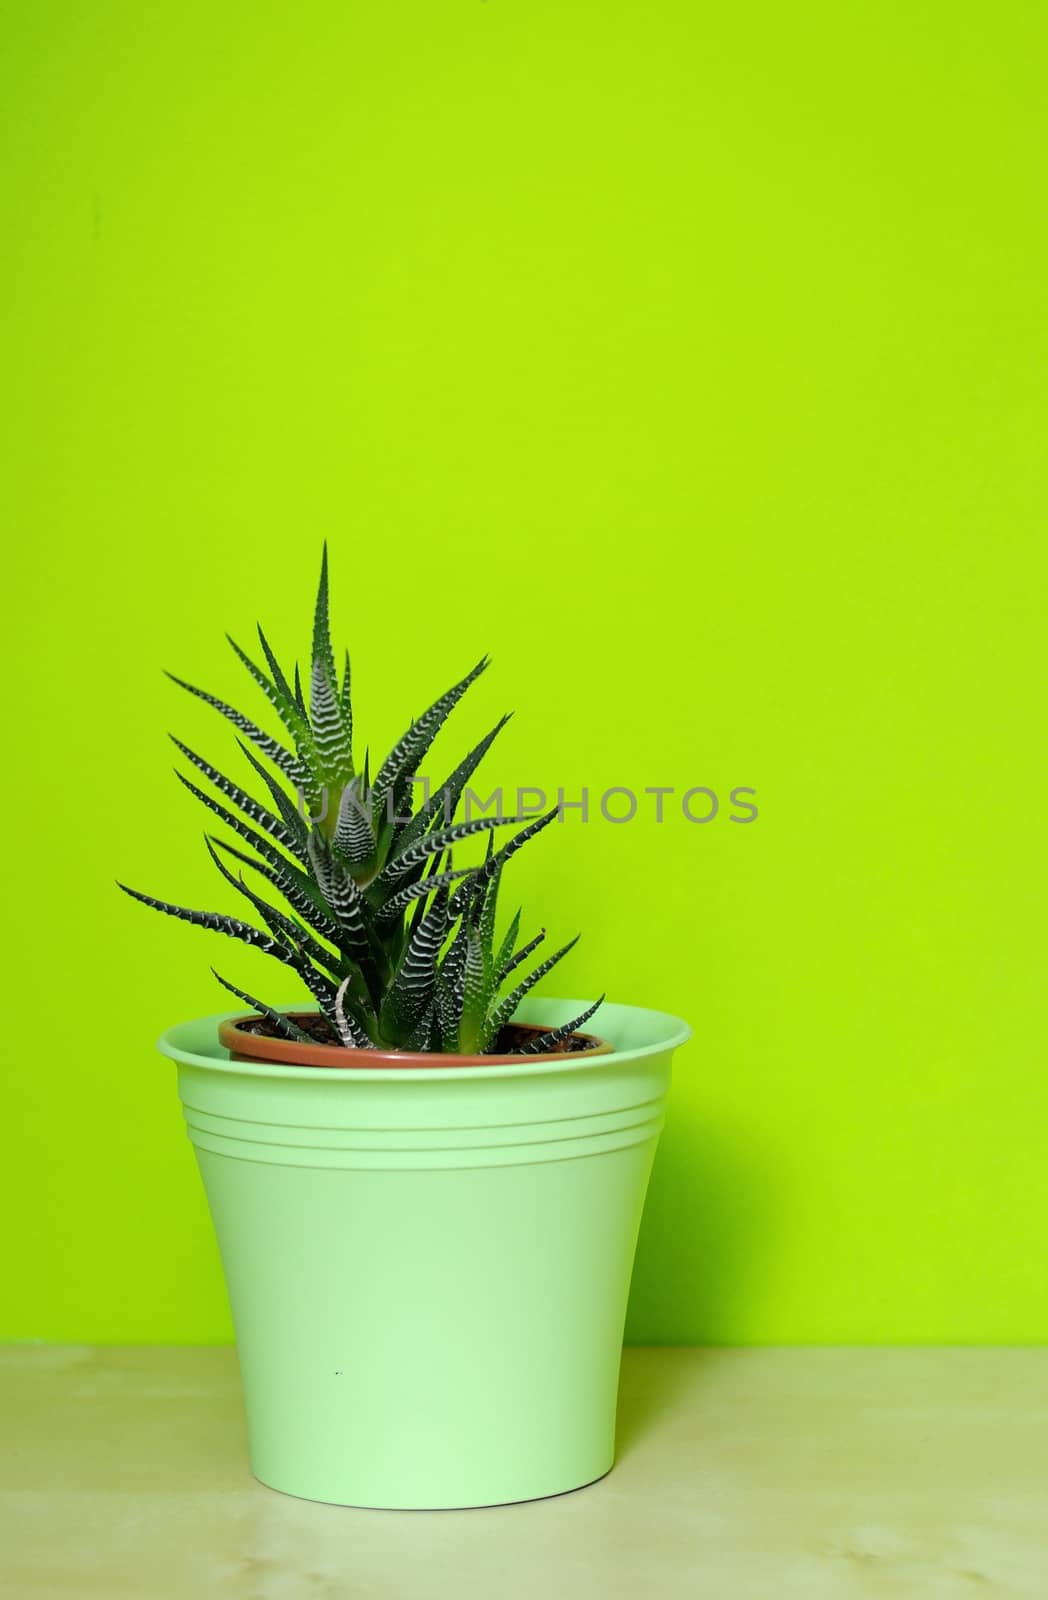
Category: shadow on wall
[711,1229]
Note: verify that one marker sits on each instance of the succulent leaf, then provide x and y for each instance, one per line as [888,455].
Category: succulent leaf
[289,764]
[353,833]
[290,815]
[345,699]
[349,1030]
[339,891]
[258,814]
[509,943]
[402,760]
[402,860]
[443,802]
[280,682]
[322,650]
[257,841]
[499,859]
[503,1012]
[403,898]
[411,991]
[278,922]
[544,1042]
[301,895]
[521,956]
[217,922]
[321,988]
[486,927]
[475,994]
[333,752]
[282,1025]
[424,1035]
[447,1012]
[280,698]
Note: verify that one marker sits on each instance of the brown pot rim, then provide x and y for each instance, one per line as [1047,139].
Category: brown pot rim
[246,1046]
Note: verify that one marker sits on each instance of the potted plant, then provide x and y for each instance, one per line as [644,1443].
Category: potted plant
[426,1185]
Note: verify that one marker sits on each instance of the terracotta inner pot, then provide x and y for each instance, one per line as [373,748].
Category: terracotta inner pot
[240,1037]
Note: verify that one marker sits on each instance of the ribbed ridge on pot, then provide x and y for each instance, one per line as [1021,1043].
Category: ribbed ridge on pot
[559,1139]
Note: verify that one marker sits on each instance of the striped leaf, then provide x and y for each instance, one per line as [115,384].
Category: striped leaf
[424,1034]
[345,700]
[499,859]
[322,990]
[462,899]
[475,994]
[397,812]
[545,1042]
[434,867]
[258,814]
[280,682]
[522,955]
[322,650]
[454,962]
[299,892]
[505,1008]
[448,1011]
[403,759]
[257,841]
[290,815]
[403,898]
[443,802]
[218,922]
[509,943]
[353,833]
[347,1027]
[435,844]
[341,894]
[288,764]
[278,922]
[334,755]
[282,1025]
[412,989]
[279,697]
[486,928]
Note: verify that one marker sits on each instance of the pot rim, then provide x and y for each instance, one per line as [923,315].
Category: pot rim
[671,1032]
[333,1058]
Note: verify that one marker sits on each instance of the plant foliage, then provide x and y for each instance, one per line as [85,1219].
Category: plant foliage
[397,945]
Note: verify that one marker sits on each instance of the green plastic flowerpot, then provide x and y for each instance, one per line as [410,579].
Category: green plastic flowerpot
[428,1270]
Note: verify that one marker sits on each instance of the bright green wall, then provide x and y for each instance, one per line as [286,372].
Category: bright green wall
[691,359]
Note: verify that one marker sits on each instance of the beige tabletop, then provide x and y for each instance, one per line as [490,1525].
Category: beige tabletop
[742,1474]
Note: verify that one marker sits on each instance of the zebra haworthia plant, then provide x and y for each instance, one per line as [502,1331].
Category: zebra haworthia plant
[397,945]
